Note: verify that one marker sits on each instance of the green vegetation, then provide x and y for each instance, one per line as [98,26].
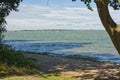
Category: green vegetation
[14,63]
[44,77]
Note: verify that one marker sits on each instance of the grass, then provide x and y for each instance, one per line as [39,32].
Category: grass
[36,77]
[14,63]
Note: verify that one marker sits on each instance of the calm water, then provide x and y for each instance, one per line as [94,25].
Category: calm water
[94,43]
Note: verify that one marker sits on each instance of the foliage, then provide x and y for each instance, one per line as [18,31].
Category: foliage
[113,3]
[10,57]
[5,7]
[12,62]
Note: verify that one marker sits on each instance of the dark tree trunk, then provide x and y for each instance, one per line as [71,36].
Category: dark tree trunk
[111,27]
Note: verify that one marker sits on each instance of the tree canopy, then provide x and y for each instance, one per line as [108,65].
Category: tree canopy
[5,7]
[113,3]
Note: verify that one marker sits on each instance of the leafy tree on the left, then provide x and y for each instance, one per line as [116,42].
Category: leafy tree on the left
[6,6]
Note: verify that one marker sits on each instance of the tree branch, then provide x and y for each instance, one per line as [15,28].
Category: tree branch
[102,6]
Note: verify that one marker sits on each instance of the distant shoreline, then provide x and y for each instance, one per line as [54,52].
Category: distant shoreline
[57,30]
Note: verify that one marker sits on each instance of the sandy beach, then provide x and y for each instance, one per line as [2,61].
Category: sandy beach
[81,69]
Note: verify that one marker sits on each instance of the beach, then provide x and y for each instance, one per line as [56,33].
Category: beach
[80,69]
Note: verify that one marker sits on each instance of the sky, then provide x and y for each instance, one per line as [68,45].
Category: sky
[58,14]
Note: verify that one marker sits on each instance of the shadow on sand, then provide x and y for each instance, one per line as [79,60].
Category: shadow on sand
[77,68]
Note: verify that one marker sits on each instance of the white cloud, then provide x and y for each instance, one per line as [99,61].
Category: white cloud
[34,17]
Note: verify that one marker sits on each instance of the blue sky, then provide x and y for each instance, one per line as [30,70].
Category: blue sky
[62,3]
[59,14]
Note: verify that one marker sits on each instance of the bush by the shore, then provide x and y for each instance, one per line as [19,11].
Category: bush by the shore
[14,63]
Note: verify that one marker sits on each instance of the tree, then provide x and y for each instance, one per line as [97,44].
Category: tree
[6,6]
[112,28]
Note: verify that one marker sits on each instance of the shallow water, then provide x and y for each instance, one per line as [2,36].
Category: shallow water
[93,43]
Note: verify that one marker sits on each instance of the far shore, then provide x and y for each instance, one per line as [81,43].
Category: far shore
[60,30]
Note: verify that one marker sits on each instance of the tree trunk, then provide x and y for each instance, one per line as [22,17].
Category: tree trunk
[111,27]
